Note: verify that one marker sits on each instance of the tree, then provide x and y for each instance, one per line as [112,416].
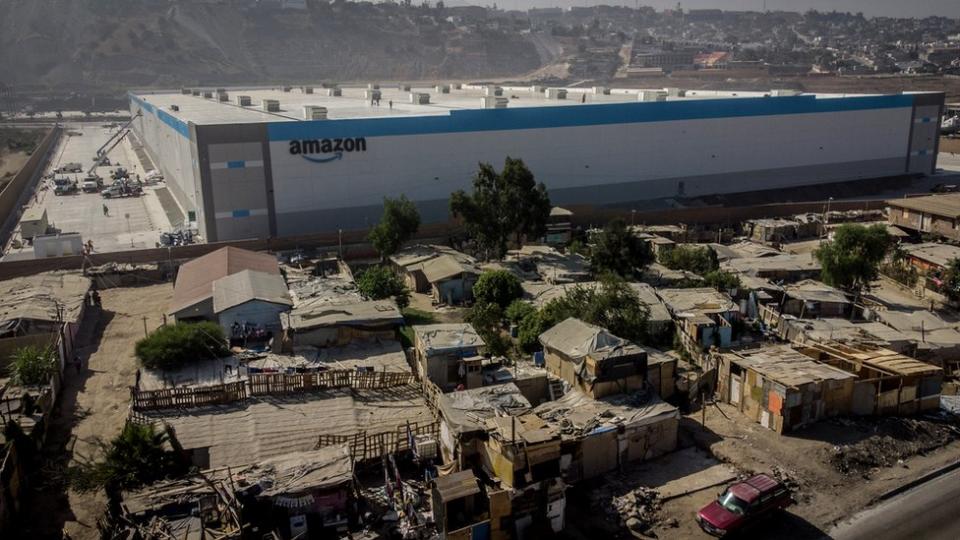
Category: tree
[138,456]
[171,347]
[697,259]
[721,280]
[531,326]
[498,287]
[379,282]
[518,310]
[616,249]
[504,204]
[32,365]
[852,259]
[950,285]
[612,305]
[486,318]
[399,222]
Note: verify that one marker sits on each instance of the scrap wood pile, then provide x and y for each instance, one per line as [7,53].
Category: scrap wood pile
[626,505]
[888,441]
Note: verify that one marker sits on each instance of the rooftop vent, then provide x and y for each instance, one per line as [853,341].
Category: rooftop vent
[442,88]
[307,89]
[373,86]
[208,94]
[286,88]
[493,102]
[419,98]
[270,105]
[556,93]
[536,89]
[222,96]
[185,91]
[243,101]
[403,87]
[652,95]
[195,92]
[457,86]
[174,107]
[601,90]
[314,112]
[492,91]
[332,92]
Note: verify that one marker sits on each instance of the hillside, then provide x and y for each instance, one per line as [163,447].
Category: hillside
[98,44]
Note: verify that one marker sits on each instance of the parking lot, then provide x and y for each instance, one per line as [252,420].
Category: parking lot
[113,224]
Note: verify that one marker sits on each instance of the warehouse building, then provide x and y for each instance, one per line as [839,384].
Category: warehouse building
[254,163]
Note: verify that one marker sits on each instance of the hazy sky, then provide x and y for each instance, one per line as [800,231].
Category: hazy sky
[893,8]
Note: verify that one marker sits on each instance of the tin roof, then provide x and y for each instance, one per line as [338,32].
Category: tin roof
[947,204]
[247,285]
[195,279]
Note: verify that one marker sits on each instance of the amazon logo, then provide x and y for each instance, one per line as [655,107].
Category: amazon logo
[327,150]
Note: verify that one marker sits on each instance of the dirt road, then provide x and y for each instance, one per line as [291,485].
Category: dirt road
[93,407]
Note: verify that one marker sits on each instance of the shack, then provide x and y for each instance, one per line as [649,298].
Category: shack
[451,280]
[599,436]
[325,325]
[782,389]
[461,508]
[193,289]
[463,418]
[248,304]
[811,299]
[448,354]
[703,316]
[592,359]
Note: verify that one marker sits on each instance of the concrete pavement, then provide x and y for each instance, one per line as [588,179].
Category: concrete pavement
[928,511]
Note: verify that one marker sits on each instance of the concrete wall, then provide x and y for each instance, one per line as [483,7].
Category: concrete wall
[17,190]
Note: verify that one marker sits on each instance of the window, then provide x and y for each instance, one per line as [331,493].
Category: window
[732,503]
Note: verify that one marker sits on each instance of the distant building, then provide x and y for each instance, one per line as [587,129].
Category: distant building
[449,354]
[932,214]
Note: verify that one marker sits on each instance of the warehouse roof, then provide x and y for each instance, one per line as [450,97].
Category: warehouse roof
[195,278]
[247,285]
[946,205]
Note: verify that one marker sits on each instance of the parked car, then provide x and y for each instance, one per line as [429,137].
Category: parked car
[92,184]
[65,188]
[742,504]
[122,189]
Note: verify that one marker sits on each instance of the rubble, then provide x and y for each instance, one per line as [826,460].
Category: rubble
[892,440]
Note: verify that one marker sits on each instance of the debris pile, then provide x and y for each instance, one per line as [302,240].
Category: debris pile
[892,440]
[636,508]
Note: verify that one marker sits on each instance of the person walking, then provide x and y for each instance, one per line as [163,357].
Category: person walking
[106,211]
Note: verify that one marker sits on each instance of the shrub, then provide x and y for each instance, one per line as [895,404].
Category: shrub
[528,334]
[721,280]
[697,259]
[497,287]
[32,365]
[617,250]
[379,282]
[171,347]
[136,457]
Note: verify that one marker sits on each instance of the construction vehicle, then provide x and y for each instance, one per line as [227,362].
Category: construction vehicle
[122,188]
[115,139]
[92,183]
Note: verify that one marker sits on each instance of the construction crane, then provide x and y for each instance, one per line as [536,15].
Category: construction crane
[111,143]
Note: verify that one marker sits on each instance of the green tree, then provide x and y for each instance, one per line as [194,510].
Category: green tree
[400,221]
[531,326]
[616,249]
[138,456]
[721,280]
[852,259]
[697,259]
[171,347]
[518,310]
[498,287]
[950,285]
[487,318]
[612,305]
[503,204]
[32,365]
[379,282]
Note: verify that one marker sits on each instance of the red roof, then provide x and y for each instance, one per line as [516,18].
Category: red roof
[195,278]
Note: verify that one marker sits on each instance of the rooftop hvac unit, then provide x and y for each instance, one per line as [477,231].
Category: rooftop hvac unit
[784,92]
[373,86]
[208,95]
[442,88]
[403,87]
[185,91]
[494,102]
[222,96]
[221,90]
[270,105]
[601,90]
[195,92]
[674,92]
[243,101]
[307,89]
[457,86]
[556,93]
[419,98]
[371,95]
[652,95]
[492,91]
[314,112]
[332,92]
[536,89]
[174,107]
[286,88]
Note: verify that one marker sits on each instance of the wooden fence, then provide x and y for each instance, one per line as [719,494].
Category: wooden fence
[365,446]
[262,384]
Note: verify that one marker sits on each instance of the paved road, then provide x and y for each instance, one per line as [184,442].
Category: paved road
[928,511]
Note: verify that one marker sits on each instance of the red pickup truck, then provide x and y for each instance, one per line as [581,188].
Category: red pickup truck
[743,503]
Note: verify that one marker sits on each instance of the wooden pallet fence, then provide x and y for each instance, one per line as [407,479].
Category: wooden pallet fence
[364,447]
[183,398]
[289,383]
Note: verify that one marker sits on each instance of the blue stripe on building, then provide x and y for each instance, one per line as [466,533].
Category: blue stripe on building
[458,121]
[241,213]
[236,164]
[178,125]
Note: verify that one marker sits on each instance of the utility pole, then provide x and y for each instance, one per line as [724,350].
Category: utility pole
[145,333]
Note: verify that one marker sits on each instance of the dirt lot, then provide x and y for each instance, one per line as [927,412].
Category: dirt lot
[93,407]
[949,145]
[836,467]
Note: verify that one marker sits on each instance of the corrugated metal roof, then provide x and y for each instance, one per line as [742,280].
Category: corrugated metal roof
[358,313]
[786,366]
[809,290]
[576,339]
[445,267]
[937,254]
[195,278]
[247,285]
[697,300]
[44,297]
